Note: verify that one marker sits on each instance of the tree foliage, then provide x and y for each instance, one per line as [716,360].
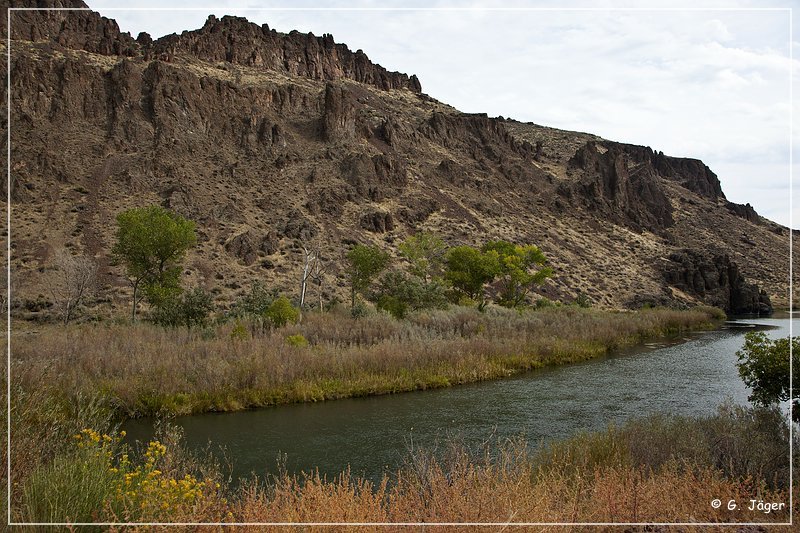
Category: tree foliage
[364,263]
[425,254]
[190,309]
[398,293]
[470,269]
[764,368]
[516,264]
[151,242]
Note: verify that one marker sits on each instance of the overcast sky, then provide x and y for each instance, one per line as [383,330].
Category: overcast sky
[709,84]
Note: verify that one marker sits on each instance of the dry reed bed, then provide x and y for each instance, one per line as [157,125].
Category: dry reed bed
[144,369]
[506,487]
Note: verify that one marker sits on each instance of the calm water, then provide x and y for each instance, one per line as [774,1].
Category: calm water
[689,375]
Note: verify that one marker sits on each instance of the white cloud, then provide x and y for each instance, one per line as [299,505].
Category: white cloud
[713,85]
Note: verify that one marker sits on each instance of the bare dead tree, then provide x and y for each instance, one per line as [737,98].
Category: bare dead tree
[71,279]
[319,269]
[5,294]
[309,256]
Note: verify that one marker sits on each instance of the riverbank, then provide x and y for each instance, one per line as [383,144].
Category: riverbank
[659,469]
[143,370]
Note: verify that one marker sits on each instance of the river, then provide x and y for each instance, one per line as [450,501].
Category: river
[689,375]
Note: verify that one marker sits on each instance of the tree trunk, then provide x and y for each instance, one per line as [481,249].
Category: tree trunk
[135,290]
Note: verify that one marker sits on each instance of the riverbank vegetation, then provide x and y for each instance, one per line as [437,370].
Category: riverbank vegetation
[444,317]
[660,469]
[143,369]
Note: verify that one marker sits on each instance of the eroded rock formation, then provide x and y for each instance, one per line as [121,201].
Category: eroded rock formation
[715,279]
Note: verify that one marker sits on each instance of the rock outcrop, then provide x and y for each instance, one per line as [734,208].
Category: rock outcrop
[229,39]
[247,245]
[715,280]
[76,30]
[338,115]
[377,221]
[692,174]
[744,211]
[621,183]
[235,40]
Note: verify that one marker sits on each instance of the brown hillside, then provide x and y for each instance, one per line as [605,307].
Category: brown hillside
[269,140]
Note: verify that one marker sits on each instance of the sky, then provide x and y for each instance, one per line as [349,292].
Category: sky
[711,84]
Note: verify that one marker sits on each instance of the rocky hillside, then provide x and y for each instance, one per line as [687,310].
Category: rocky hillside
[271,140]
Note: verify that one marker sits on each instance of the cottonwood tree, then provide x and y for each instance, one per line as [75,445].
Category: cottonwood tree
[520,267]
[364,263]
[764,368]
[425,253]
[151,242]
[398,293]
[70,280]
[469,270]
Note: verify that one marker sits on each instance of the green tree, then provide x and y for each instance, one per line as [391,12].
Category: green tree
[425,253]
[469,269]
[364,263]
[516,270]
[398,293]
[151,242]
[764,368]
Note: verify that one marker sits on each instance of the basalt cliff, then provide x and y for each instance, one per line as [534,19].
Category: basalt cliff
[270,141]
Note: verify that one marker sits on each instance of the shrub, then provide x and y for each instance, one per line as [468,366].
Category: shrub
[96,481]
[392,305]
[196,305]
[190,309]
[75,486]
[398,294]
[714,312]
[582,300]
[239,332]
[297,340]
[255,303]
[544,303]
[282,312]
[359,310]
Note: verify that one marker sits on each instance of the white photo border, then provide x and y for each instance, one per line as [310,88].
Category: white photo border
[787,10]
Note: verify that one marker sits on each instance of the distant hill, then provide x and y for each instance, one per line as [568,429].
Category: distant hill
[268,140]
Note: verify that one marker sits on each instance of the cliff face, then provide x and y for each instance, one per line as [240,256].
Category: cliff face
[235,40]
[74,29]
[229,39]
[268,141]
[717,281]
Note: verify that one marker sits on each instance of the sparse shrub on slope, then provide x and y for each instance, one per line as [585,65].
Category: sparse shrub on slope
[282,312]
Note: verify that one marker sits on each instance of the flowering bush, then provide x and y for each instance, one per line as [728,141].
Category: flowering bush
[122,489]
